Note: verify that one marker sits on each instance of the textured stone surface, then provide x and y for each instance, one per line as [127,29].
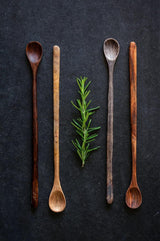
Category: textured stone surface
[79,28]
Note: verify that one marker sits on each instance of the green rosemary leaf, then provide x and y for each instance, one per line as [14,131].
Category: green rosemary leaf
[94,129]
[87,85]
[87,147]
[75,106]
[88,103]
[86,118]
[81,134]
[89,122]
[96,108]
[76,126]
[92,136]
[74,144]
[94,149]
[90,140]
[79,153]
[76,123]
[91,113]
[79,103]
[79,83]
[79,146]
[86,93]
[83,123]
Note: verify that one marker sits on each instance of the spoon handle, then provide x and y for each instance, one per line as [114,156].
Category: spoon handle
[35,143]
[56,73]
[110,137]
[133,105]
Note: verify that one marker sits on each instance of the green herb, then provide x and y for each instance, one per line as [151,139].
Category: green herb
[83,124]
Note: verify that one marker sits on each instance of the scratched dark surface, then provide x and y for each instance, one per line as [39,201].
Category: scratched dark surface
[79,28]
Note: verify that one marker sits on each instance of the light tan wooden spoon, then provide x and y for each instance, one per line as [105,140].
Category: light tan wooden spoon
[57,201]
[34,55]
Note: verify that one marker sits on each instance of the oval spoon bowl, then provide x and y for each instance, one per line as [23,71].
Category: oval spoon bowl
[34,52]
[133,197]
[111,49]
[57,201]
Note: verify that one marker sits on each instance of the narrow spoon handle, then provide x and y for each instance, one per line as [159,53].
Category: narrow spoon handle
[133,105]
[110,137]
[56,73]
[35,143]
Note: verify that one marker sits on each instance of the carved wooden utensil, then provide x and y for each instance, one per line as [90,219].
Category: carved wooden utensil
[133,194]
[57,201]
[111,51]
[34,55]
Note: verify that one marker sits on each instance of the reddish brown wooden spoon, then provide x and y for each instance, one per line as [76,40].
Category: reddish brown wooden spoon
[34,55]
[133,194]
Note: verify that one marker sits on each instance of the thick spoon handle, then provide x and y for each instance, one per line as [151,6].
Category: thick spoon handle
[35,143]
[56,73]
[110,137]
[133,105]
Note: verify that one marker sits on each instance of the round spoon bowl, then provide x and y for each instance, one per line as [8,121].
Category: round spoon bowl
[111,49]
[133,197]
[34,52]
[57,201]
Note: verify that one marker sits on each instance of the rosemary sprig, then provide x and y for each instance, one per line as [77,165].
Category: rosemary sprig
[83,124]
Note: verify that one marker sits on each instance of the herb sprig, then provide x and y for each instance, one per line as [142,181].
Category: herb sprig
[83,124]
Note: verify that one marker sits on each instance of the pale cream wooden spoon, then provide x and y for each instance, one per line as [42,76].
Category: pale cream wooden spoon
[57,201]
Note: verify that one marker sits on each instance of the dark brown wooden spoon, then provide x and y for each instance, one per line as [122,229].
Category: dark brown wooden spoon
[111,51]
[133,194]
[57,201]
[34,55]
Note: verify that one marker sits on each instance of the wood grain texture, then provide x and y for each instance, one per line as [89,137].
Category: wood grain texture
[57,201]
[34,55]
[35,142]
[111,49]
[133,194]
[110,137]
[133,105]
[56,74]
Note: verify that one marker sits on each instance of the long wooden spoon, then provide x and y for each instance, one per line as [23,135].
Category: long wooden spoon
[111,51]
[57,201]
[34,55]
[133,194]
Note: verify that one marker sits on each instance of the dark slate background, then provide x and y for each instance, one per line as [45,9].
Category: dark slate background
[79,28]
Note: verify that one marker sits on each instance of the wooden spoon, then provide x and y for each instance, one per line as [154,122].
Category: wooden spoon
[34,55]
[57,201]
[111,51]
[133,194]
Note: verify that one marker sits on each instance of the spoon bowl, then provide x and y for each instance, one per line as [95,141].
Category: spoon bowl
[57,201]
[111,49]
[133,197]
[34,52]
